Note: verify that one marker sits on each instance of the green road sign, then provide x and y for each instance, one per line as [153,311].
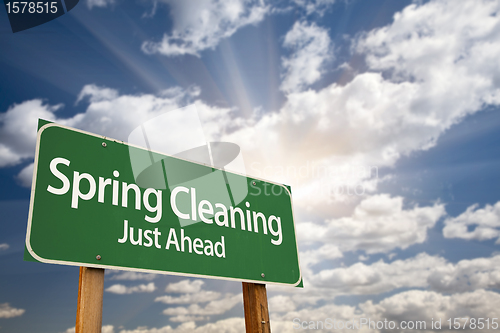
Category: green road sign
[98,202]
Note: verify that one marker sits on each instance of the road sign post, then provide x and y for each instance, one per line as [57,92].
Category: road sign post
[255,307]
[89,307]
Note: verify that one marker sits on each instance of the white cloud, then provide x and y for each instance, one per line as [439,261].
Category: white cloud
[187,318]
[215,307]
[424,305]
[6,311]
[26,175]
[413,305]
[311,47]
[18,130]
[421,271]
[122,290]
[201,296]
[439,42]
[281,303]
[486,223]
[315,6]
[436,44]
[379,224]
[284,322]
[99,3]
[108,113]
[311,257]
[427,70]
[4,246]
[107,329]
[117,115]
[104,329]
[201,25]
[466,275]
[230,325]
[185,286]
[97,94]
[216,303]
[131,276]
[378,277]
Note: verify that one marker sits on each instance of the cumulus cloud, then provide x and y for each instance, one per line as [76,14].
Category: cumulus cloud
[230,325]
[315,6]
[104,329]
[466,275]
[201,296]
[108,113]
[378,277]
[99,3]
[4,246]
[311,49]
[115,115]
[196,312]
[216,303]
[485,222]
[417,305]
[18,130]
[426,71]
[408,305]
[379,224]
[457,40]
[26,175]
[422,271]
[122,290]
[131,276]
[314,256]
[6,311]
[201,25]
[97,94]
[185,286]
[413,305]
[281,303]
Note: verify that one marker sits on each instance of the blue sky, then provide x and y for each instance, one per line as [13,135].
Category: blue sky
[407,90]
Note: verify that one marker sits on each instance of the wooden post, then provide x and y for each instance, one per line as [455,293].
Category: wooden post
[89,308]
[255,305]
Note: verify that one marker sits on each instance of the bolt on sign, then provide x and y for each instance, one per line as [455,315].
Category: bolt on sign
[175,217]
